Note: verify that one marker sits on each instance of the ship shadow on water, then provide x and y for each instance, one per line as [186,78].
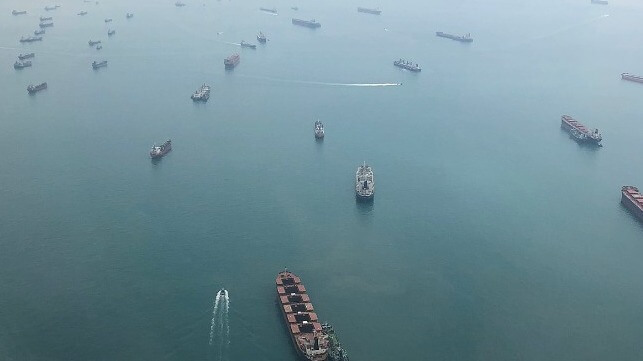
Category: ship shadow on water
[364,207]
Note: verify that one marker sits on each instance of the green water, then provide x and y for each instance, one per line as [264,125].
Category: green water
[493,236]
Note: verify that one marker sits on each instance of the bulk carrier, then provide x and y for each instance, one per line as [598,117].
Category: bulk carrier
[463,39]
[231,61]
[632,199]
[579,132]
[632,77]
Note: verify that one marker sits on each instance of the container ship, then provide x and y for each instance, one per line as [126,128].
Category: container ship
[579,132]
[232,61]
[408,65]
[307,334]
[21,64]
[99,64]
[464,38]
[46,18]
[32,89]
[159,151]
[632,199]
[319,130]
[364,183]
[202,94]
[26,56]
[369,11]
[632,77]
[18,12]
[30,39]
[307,23]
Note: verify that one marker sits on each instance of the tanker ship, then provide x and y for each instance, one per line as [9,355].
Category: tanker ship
[632,199]
[307,334]
[579,132]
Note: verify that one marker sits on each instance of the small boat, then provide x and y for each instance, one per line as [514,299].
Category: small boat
[261,38]
[109,20]
[82,13]
[247,45]
[99,64]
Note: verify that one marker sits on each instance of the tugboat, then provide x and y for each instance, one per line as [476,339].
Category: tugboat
[45,25]
[202,94]
[129,16]
[261,38]
[43,18]
[101,64]
[32,89]
[111,32]
[92,42]
[364,183]
[335,351]
[159,151]
[19,64]
[30,39]
[232,61]
[26,56]
[39,32]
[82,13]
[247,45]
[18,12]
[319,130]
[463,39]
[579,132]
[108,20]
[408,65]
[313,24]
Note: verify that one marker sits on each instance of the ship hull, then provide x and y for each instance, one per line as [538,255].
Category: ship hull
[578,132]
[454,37]
[306,23]
[630,203]
[369,11]
[632,78]
[363,198]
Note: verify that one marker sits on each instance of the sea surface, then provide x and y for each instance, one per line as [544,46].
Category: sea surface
[492,236]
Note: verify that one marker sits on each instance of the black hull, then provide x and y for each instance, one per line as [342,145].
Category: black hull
[634,210]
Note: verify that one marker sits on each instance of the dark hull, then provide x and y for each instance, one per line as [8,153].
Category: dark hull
[34,90]
[306,23]
[361,198]
[369,11]
[408,67]
[574,134]
[633,208]
[633,78]
[454,37]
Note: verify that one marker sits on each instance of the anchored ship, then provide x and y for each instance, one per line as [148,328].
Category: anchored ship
[21,64]
[26,56]
[109,20]
[159,151]
[272,11]
[39,32]
[247,45]
[369,11]
[464,38]
[306,333]
[335,350]
[579,132]
[231,61]
[261,38]
[82,13]
[92,42]
[307,23]
[364,182]
[100,64]
[632,199]
[319,130]
[46,18]
[32,89]
[179,4]
[111,32]
[18,12]
[99,47]
[30,39]
[408,65]
[46,25]
[49,8]
[632,77]
[202,94]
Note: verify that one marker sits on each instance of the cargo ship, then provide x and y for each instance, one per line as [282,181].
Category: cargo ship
[231,61]
[464,38]
[272,11]
[307,23]
[20,64]
[369,11]
[632,77]
[306,333]
[319,130]
[46,18]
[601,2]
[92,42]
[111,32]
[45,25]
[18,12]
[32,89]
[49,8]
[82,13]
[579,132]
[335,350]
[408,65]
[261,38]
[179,4]
[202,94]
[247,45]
[364,183]
[632,199]
[99,64]
[159,151]
[30,39]
[26,56]
[39,32]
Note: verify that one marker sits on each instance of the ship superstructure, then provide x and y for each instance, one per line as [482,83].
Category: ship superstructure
[364,182]
[579,132]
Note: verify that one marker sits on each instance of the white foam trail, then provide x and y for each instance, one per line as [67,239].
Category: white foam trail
[217,300]
[227,320]
[325,83]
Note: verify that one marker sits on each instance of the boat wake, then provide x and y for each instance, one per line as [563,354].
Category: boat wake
[220,324]
[365,85]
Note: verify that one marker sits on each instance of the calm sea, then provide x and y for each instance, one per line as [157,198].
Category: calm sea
[493,236]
